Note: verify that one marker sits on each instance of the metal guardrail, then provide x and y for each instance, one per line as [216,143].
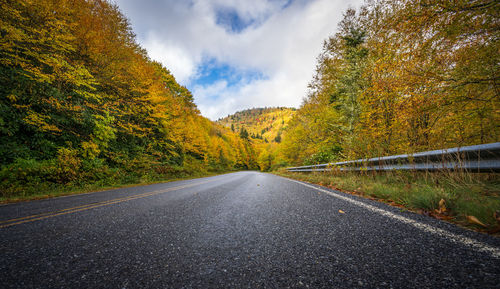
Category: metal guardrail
[476,158]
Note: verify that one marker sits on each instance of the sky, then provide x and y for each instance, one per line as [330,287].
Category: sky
[237,54]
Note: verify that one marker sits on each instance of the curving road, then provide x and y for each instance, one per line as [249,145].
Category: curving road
[239,230]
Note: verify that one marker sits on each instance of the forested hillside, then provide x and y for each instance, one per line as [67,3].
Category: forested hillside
[266,124]
[401,77]
[263,127]
[81,103]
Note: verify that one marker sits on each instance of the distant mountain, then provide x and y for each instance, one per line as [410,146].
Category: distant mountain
[260,123]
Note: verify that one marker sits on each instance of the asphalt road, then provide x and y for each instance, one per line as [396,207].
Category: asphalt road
[240,230]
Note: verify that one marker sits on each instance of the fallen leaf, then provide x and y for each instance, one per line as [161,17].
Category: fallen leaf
[474,220]
[442,206]
[342,212]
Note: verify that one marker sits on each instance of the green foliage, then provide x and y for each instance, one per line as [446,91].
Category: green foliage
[26,176]
[104,131]
[243,133]
[324,155]
[278,138]
[350,83]
[81,103]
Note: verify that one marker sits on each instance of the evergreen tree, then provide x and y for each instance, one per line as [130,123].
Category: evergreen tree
[243,133]
[278,138]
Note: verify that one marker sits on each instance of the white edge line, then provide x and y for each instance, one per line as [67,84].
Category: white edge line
[493,251]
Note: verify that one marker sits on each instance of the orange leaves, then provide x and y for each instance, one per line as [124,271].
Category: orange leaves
[42,122]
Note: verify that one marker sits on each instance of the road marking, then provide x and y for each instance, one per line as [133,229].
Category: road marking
[72,208]
[493,251]
[37,217]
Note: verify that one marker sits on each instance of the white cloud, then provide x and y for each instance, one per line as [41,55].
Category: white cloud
[281,43]
[176,59]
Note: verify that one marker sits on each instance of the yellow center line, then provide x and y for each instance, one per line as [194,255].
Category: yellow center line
[72,208]
[22,220]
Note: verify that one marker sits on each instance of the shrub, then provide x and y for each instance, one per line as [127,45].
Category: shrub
[26,176]
[68,165]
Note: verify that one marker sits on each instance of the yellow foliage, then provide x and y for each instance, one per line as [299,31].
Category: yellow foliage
[90,150]
[68,165]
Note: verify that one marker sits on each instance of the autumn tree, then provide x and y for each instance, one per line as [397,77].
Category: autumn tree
[401,77]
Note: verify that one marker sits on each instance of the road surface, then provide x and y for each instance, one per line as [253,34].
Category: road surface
[239,230]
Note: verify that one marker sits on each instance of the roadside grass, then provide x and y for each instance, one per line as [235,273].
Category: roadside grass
[459,197]
[46,190]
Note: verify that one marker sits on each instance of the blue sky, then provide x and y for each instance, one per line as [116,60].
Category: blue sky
[209,71]
[229,18]
[237,54]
